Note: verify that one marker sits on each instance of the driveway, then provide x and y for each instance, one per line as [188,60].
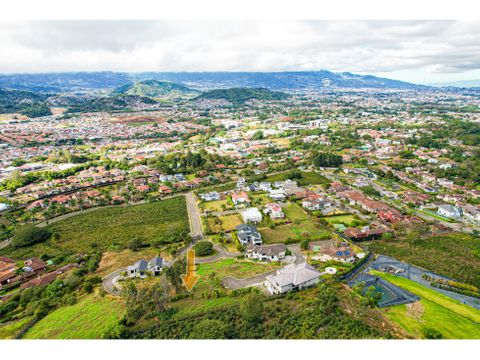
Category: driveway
[110,282]
[196,228]
[220,253]
[233,283]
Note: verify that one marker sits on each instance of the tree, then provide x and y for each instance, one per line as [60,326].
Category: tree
[135,244]
[174,273]
[324,159]
[203,248]
[304,244]
[251,309]
[28,234]
[209,329]
[258,135]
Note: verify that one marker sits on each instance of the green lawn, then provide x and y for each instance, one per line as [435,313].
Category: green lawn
[293,212]
[88,319]
[111,228]
[230,222]
[308,178]
[435,310]
[343,219]
[309,229]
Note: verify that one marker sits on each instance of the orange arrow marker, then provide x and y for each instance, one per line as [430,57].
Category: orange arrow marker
[190,279]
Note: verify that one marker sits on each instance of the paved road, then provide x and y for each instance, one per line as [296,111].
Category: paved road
[220,253]
[110,283]
[196,228]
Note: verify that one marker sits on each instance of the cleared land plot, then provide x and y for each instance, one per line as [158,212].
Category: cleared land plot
[215,205]
[112,228]
[340,219]
[88,319]
[308,178]
[293,212]
[309,229]
[112,261]
[435,311]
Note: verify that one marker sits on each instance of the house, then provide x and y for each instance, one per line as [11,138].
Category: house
[274,252]
[292,277]
[49,277]
[274,210]
[252,215]
[277,195]
[211,196]
[143,267]
[35,265]
[471,212]
[449,211]
[8,270]
[341,253]
[315,203]
[240,198]
[248,234]
[362,235]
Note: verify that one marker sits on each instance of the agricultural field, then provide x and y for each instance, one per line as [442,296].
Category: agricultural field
[452,319]
[87,319]
[309,229]
[111,229]
[454,255]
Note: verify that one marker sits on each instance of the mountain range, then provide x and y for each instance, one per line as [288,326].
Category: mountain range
[155,89]
[302,80]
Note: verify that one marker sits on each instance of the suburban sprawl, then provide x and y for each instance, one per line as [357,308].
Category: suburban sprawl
[329,205]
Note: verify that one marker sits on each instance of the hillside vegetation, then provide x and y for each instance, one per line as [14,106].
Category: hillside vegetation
[241,95]
[154,89]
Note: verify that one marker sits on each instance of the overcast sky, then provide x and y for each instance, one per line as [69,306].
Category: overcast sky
[416,51]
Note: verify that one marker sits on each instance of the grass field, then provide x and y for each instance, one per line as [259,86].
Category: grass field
[215,205]
[88,319]
[308,178]
[293,212]
[11,329]
[309,229]
[343,219]
[435,310]
[230,222]
[111,228]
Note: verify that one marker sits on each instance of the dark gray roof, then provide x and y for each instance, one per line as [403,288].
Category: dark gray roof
[156,261]
[142,265]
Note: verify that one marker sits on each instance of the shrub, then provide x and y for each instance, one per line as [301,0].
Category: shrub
[304,244]
[203,248]
[28,234]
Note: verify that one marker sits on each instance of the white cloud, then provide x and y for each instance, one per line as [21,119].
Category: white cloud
[431,49]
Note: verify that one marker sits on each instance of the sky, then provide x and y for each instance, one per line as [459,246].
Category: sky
[423,52]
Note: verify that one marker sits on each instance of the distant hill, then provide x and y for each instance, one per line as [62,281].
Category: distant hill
[24,102]
[463,84]
[301,80]
[155,89]
[102,103]
[241,95]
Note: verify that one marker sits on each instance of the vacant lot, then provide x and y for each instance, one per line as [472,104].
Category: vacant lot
[434,311]
[341,219]
[112,228]
[308,178]
[309,229]
[216,205]
[293,212]
[455,255]
[112,261]
[88,319]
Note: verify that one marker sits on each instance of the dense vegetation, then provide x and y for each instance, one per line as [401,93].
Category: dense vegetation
[455,255]
[28,234]
[105,103]
[153,89]
[242,95]
[203,248]
[312,314]
[154,224]
[24,102]
[323,159]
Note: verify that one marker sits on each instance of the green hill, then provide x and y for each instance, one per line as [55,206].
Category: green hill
[241,95]
[155,89]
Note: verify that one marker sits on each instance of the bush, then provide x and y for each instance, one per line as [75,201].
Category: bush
[430,333]
[304,244]
[28,234]
[203,248]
